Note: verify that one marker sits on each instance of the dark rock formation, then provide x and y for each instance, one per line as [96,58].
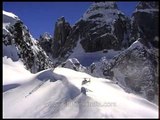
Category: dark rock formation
[136,69]
[17,37]
[62,30]
[145,23]
[45,42]
[102,26]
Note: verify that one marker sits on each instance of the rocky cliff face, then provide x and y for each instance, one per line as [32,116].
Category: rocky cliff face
[109,27]
[103,26]
[135,69]
[145,23]
[18,44]
[62,30]
[45,41]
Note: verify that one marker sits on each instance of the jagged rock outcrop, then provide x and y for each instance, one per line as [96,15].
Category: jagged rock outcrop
[138,66]
[18,44]
[103,26]
[45,42]
[110,26]
[145,23]
[62,30]
[135,69]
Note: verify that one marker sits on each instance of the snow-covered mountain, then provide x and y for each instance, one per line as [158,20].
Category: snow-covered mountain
[135,69]
[103,27]
[57,94]
[18,44]
[107,66]
[90,40]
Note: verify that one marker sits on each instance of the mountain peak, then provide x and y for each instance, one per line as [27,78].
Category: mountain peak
[108,11]
[46,35]
[62,18]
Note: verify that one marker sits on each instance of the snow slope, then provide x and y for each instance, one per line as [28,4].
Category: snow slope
[87,58]
[14,72]
[56,93]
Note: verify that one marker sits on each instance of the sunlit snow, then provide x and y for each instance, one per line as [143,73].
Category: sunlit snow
[57,93]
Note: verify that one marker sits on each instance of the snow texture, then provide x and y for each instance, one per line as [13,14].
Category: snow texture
[57,94]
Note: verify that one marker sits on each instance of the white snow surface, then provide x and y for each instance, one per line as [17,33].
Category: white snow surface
[56,94]
[9,14]
[14,72]
[136,44]
[87,58]
[8,19]
[146,10]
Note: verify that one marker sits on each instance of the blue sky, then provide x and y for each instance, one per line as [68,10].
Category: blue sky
[40,17]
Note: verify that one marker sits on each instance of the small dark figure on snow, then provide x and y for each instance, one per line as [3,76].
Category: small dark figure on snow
[83,90]
[85,81]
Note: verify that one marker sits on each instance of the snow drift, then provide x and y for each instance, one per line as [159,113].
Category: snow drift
[56,94]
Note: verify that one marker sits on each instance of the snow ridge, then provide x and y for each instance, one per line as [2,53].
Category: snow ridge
[40,97]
